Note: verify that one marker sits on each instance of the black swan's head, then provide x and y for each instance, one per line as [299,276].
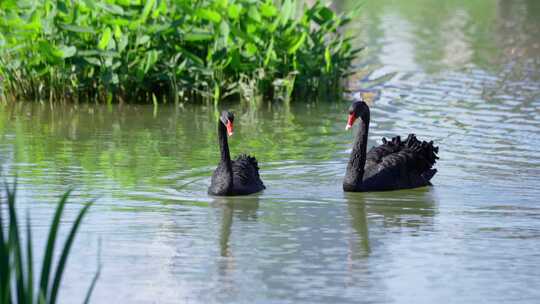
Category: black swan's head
[227,118]
[357,109]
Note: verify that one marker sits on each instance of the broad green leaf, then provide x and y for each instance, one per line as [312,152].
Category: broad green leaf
[221,3]
[234,11]
[251,28]
[117,32]
[111,8]
[146,10]
[196,59]
[76,28]
[105,38]
[33,25]
[151,59]
[49,51]
[224,29]
[62,7]
[93,60]
[326,14]
[90,3]
[142,39]
[286,11]
[123,42]
[90,53]
[120,21]
[198,36]
[268,10]
[208,14]
[67,51]
[253,13]
[108,62]
[272,28]
[251,49]
[160,10]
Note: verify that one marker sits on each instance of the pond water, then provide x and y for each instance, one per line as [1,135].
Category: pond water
[465,74]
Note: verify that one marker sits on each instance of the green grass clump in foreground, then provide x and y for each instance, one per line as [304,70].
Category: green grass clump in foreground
[17,277]
[134,50]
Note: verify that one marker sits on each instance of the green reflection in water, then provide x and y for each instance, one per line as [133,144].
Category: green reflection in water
[81,144]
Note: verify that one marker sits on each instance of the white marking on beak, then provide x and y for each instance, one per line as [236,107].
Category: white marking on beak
[348,127]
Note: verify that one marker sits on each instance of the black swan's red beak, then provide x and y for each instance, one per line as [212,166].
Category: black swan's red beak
[229,128]
[350,121]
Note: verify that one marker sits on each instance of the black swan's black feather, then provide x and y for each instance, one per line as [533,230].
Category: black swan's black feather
[246,177]
[400,164]
[395,164]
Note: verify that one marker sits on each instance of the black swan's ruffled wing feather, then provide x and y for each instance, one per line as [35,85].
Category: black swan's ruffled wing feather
[400,164]
[376,154]
[246,174]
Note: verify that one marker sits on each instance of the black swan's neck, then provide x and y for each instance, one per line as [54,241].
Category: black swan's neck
[357,161]
[225,162]
[224,144]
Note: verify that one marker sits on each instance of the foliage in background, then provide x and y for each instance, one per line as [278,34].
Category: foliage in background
[17,283]
[134,50]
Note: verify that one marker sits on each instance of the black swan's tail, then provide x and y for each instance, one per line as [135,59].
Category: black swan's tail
[423,148]
[423,154]
[248,160]
[246,169]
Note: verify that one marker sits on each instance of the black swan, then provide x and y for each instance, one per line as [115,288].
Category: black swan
[237,177]
[393,165]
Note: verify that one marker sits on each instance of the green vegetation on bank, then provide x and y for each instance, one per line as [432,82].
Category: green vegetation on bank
[19,281]
[159,50]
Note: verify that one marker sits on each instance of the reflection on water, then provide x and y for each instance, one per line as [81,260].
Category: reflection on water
[357,211]
[243,209]
[465,74]
[433,36]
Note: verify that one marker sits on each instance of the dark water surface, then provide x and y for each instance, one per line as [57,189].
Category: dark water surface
[463,73]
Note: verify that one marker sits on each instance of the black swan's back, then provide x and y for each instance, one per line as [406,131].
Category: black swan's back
[246,179]
[398,164]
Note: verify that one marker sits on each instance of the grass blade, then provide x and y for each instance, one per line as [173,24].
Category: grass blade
[65,252]
[4,263]
[49,249]
[96,276]
[29,261]
[92,285]
[15,245]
